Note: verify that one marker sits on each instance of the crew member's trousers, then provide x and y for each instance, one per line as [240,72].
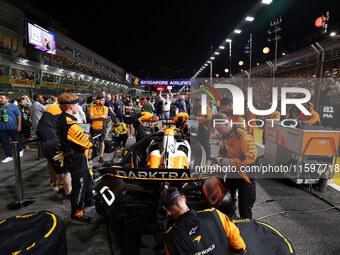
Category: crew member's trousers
[246,195]
[81,194]
[121,139]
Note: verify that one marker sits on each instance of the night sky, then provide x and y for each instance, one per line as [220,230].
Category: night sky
[171,38]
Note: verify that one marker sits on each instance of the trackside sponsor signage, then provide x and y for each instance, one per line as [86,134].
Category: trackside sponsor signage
[166,82]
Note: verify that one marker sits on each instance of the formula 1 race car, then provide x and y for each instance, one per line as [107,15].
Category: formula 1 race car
[128,194]
[128,190]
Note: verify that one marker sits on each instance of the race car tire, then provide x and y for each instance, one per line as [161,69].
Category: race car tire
[143,132]
[262,238]
[37,233]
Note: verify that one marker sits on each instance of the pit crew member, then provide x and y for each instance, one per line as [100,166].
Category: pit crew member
[74,145]
[238,149]
[198,232]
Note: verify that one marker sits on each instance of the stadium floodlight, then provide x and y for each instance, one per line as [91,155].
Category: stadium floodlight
[222,47]
[249,18]
[267,1]
[237,31]
[228,40]
[212,58]
[217,53]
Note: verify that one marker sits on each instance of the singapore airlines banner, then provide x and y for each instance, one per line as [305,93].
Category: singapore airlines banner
[166,82]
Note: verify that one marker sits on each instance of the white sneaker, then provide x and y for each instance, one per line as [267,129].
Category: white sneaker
[8,159]
[21,153]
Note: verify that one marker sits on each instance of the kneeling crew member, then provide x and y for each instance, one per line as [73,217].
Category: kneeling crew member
[75,144]
[120,133]
[198,232]
[238,149]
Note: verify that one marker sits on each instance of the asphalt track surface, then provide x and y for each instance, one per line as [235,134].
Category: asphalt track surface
[310,224]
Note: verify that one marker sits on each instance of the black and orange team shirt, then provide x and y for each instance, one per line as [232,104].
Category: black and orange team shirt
[48,121]
[180,114]
[146,117]
[76,135]
[97,110]
[203,231]
[237,120]
[240,148]
[314,118]
[71,135]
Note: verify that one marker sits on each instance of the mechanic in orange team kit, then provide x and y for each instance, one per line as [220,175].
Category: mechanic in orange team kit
[313,119]
[140,119]
[238,149]
[98,115]
[74,144]
[198,232]
[180,119]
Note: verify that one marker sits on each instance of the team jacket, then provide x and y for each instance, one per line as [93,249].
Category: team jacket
[314,118]
[239,147]
[71,135]
[185,117]
[143,116]
[48,122]
[203,232]
[238,119]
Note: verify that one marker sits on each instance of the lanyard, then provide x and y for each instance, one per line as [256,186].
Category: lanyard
[3,109]
[22,109]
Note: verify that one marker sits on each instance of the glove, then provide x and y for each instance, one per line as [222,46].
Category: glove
[59,157]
